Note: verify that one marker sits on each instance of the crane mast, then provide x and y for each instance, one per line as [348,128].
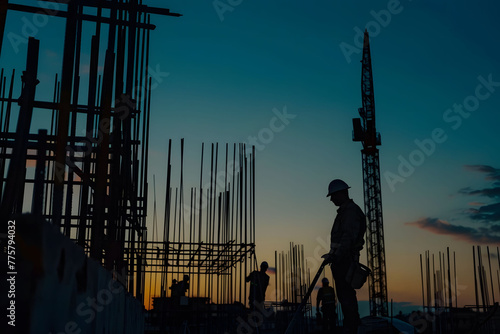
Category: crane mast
[365,132]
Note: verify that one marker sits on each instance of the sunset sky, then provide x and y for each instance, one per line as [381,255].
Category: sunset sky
[224,66]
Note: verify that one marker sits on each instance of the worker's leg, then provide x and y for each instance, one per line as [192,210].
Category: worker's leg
[346,296]
[330,318]
[326,328]
[251,304]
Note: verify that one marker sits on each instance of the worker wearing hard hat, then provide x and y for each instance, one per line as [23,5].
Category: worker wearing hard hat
[326,295]
[346,243]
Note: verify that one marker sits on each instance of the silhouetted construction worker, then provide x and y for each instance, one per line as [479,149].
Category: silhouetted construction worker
[179,288]
[174,288]
[175,293]
[184,285]
[346,242]
[326,295]
[259,281]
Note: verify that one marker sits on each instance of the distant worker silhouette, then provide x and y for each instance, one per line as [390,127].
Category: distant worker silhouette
[346,242]
[179,288]
[259,281]
[184,285]
[175,288]
[326,295]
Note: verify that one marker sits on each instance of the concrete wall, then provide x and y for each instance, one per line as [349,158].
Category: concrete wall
[60,290]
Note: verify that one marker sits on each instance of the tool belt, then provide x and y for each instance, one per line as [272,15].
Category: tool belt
[357,274]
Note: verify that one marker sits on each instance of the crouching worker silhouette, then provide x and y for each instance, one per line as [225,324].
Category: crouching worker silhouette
[326,295]
[346,242]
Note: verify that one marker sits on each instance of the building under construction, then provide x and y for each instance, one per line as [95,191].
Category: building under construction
[75,187]
[77,190]
[90,166]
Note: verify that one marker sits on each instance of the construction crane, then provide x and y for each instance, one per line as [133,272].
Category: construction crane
[365,132]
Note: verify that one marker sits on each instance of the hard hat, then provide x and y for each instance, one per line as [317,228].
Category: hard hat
[325,280]
[264,264]
[336,185]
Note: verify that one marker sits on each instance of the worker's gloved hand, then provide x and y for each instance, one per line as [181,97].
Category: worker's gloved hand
[328,257]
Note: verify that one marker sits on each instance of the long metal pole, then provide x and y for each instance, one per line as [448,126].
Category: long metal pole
[155,234]
[91,103]
[422,280]
[53,127]
[481,279]
[434,281]
[234,233]
[232,195]
[215,192]
[166,233]
[429,290]
[449,291]
[475,278]
[210,198]
[175,215]
[443,282]
[491,276]
[144,172]
[63,122]
[226,220]
[194,270]
[280,271]
[253,193]
[190,238]
[207,281]
[246,192]
[276,275]
[200,218]
[76,84]
[455,275]
[209,218]
[166,219]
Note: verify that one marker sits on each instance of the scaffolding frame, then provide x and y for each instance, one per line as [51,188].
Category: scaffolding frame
[92,186]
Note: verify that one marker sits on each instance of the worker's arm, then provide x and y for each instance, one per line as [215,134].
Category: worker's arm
[353,223]
[249,277]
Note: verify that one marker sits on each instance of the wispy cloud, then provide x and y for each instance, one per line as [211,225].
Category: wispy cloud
[492,174]
[484,216]
[485,213]
[487,192]
[474,235]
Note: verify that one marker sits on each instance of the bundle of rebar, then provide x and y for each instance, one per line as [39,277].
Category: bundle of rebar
[210,236]
[438,283]
[292,280]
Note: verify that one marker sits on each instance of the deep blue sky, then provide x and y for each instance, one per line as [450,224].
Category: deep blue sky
[427,57]
[225,77]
